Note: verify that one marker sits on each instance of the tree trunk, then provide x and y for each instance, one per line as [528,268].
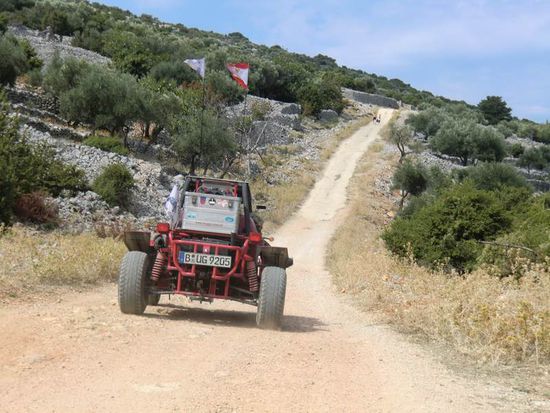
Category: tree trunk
[146,127]
[404,195]
[192,167]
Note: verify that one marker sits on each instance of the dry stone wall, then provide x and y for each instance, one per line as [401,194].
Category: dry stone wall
[370,99]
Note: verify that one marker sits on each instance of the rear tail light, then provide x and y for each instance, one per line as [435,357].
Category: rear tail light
[255,237]
[163,227]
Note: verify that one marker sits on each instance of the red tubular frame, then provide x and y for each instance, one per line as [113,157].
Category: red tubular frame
[236,271]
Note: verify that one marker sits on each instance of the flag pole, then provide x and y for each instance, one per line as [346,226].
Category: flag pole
[247,136]
[202,119]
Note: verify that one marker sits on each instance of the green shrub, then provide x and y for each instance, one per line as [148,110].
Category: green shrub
[114,185]
[35,77]
[494,175]
[102,98]
[467,140]
[495,109]
[106,143]
[543,134]
[33,61]
[320,94]
[13,61]
[64,75]
[29,168]
[447,230]
[410,179]
[527,244]
[533,158]
[516,150]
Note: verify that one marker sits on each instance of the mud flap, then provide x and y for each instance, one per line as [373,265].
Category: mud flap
[275,257]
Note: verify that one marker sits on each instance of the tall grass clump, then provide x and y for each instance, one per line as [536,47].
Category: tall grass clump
[34,259]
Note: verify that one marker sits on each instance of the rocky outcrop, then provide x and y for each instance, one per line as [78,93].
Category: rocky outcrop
[86,211]
[328,115]
[274,120]
[151,183]
[47,44]
[370,99]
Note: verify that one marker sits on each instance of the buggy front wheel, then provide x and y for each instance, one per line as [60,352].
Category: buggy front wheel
[132,283]
[271,302]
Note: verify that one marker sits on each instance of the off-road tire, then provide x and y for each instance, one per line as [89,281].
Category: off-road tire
[153,299]
[132,282]
[271,302]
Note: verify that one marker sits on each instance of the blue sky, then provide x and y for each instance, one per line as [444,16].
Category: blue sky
[462,49]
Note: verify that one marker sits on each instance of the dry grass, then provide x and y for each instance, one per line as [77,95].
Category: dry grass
[284,199]
[32,259]
[491,320]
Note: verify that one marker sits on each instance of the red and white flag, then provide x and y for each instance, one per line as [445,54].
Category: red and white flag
[239,73]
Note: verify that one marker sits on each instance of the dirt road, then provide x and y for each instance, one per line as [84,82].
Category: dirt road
[79,354]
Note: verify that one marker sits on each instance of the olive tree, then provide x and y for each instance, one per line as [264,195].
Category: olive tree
[410,179]
[467,140]
[104,99]
[401,136]
[13,60]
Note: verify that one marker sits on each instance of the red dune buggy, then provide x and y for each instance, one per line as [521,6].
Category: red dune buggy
[213,248]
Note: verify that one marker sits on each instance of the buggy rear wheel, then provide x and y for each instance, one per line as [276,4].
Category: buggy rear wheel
[132,282]
[272,298]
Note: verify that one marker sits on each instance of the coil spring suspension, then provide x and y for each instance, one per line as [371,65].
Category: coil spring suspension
[159,266]
[252,276]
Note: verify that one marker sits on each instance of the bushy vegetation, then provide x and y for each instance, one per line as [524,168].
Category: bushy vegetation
[468,141]
[114,185]
[29,168]
[495,110]
[13,60]
[106,143]
[452,222]
[447,231]
[493,176]
[411,179]
[535,158]
[319,94]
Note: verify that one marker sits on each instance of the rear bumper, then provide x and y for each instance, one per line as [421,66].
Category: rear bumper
[219,277]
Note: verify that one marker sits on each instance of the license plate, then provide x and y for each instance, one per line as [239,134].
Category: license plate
[209,260]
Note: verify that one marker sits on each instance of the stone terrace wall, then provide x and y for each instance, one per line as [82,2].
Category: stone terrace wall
[371,99]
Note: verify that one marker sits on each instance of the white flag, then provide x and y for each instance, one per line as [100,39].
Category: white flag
[171,202]
[198,65]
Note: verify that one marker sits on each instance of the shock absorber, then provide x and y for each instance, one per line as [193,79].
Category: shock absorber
[252,275]
[159,266]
